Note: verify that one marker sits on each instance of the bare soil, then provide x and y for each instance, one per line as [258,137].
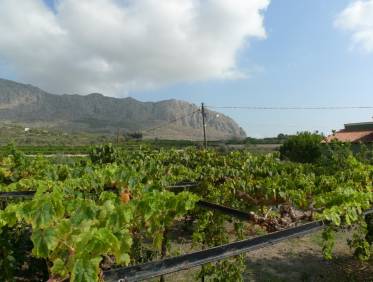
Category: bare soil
[298,259]
[301,259]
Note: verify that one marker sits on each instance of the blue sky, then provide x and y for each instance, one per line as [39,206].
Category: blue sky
[305,60]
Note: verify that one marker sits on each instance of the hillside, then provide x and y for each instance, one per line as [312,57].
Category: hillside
[33,107]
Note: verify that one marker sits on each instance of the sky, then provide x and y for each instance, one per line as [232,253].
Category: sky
[291,53]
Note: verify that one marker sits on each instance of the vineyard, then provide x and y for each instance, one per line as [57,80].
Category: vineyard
[117,211]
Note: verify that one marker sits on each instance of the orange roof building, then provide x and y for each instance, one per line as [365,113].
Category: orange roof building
[354,133]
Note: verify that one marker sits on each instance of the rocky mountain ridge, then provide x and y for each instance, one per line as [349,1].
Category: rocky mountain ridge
[33,107]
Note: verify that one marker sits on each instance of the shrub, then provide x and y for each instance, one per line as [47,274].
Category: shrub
[305,147]
[336,154]
[365,153]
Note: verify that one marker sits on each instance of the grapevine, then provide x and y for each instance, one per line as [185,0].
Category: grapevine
[115,209]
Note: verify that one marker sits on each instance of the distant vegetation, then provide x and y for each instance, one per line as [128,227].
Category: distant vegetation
[52,141]
[304,147]
[281,138]
[307,147]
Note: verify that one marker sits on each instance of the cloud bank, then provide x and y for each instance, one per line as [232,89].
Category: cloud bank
[117,46]
[357,18]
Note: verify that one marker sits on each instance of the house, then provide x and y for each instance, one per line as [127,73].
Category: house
[354,132]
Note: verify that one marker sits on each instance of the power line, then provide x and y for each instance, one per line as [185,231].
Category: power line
[171,121]
[291,108]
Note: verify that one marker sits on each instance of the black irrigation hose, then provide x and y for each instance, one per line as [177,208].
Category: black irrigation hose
[184,185]
[208,205]
[184,262]
[23,194]
[226,210]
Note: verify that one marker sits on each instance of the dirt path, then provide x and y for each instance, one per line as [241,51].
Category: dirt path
[301,259]
[298,259]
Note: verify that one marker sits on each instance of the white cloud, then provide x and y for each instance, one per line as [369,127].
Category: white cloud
[358,19]
[116,46]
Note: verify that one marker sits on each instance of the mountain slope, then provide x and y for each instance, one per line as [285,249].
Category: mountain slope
[34,107]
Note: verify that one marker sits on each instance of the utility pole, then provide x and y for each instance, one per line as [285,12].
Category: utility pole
[118,136]
[204,125]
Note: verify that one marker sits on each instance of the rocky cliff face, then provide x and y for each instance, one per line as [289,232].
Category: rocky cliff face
[32,106]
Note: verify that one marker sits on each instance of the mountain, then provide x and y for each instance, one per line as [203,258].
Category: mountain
[33,107]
